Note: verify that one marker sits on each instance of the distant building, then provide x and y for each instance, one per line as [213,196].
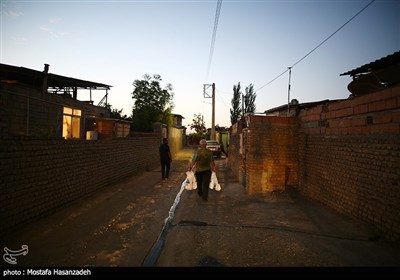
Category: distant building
[296,107]
[178,121]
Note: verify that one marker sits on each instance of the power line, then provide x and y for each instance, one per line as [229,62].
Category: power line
[224,92]
[273,80]
[320,44]
[214,35]
[220,98]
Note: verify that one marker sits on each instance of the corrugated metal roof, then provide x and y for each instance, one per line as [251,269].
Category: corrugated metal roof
[34,77]
[383,62]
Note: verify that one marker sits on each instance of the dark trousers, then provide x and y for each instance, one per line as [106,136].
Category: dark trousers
[203,179]
[165,166]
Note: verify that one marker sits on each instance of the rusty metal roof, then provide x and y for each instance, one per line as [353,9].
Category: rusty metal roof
[34,77]
[383,62]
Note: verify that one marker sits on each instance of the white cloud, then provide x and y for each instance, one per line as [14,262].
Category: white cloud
[20,39]
[53,32]
[54,20]
[13,14]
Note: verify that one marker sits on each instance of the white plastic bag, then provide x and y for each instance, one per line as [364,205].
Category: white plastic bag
[214,182]
[191,183]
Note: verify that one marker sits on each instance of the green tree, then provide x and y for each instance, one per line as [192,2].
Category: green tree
[115,113]
[152,103]
[198,124]
[249,100]
[236,110]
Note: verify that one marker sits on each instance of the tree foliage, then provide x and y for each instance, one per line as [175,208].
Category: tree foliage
[198,124]
[152,103]
[236,100]
[249,100]
[116,114]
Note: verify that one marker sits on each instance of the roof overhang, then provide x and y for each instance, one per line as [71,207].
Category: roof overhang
[384,62]
[35,78]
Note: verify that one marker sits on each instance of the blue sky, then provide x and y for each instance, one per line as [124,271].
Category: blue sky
[117,42]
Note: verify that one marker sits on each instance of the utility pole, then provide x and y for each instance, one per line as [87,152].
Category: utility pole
[206,95]
[213,113]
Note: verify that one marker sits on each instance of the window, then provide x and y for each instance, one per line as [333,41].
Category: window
[71,123]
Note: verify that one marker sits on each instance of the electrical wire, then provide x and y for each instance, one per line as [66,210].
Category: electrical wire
[221,99]
[320,44]
[214,35]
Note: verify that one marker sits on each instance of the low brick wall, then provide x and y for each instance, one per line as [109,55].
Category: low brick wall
[39,176]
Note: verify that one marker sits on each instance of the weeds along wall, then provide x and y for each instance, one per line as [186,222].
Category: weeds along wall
[39,176]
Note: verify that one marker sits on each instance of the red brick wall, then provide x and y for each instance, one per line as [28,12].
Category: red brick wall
[345,154]
[270,153]
[349,157]
[39,176]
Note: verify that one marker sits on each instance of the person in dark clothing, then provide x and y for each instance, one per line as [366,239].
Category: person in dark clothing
[165,159]
[204,161]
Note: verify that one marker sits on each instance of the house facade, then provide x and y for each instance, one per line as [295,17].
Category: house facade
[40,104]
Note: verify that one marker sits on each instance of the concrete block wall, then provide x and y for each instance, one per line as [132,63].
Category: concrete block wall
[270,153]
[349,157]
[39,176]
